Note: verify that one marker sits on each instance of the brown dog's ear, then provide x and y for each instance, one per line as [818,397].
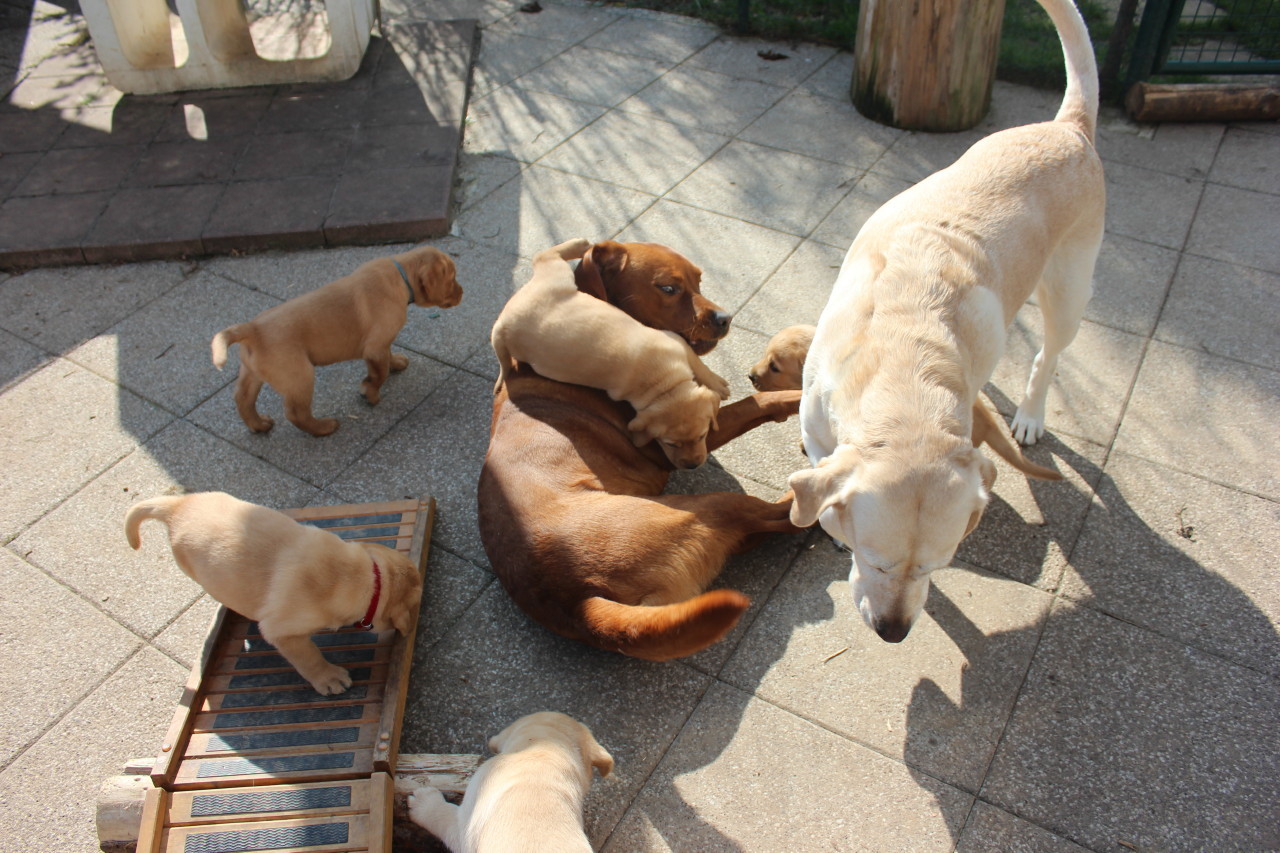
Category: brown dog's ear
[831,482]
[602,261]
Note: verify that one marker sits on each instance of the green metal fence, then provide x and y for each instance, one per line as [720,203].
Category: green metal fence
[1200,37]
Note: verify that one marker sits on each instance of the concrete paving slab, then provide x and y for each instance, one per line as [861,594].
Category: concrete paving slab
[559,22]
[541,206]
[852,140]
[513,123]
[59,428]
[1183,558]
[916,156]
[318,460]
[728,279]
[57,309]
[833,80]
[787,192]
[847,218]
[600,77]
[636,152]
[452,586]
[48,630]
[183,640]
[1134,194]
[49,791]
[497,665]
[18,359]
[696,97]
[504,56]
[938,701]
[795,294]
[437,449]
[1188,760]
[1087,397]
[667,38]
[1237,226]
[82,543]
[796,786]
[151,223]
[1031,525]
[161,351]
[1224,412]
[1185,150]
[1223,309]
[1248,160]
[286,275]
[481,174]
[990,828]
[753,59]
[1130,283]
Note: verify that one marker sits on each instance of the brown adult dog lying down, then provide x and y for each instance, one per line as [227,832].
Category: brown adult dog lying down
[782,368]
[572,513]
[293,579]
[527,798]
[354,317]
[571,336]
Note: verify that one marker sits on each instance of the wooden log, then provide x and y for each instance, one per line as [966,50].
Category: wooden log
[120,801]
[1156,102]
[927,64]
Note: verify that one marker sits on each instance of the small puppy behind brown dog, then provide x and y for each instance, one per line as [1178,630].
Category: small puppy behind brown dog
[354,317]
[527,798]
[571,336]
[292,578]
[782,369]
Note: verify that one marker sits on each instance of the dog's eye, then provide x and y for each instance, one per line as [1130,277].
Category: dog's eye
[773,366]
[669,289]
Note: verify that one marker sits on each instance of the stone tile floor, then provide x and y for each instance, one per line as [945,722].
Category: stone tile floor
[1098,672]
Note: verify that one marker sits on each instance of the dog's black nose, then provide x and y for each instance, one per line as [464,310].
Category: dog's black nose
[720,321]
[892,630]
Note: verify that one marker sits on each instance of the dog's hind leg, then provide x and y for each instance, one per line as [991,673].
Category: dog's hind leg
[297,388]
[248,385]
[1063,293]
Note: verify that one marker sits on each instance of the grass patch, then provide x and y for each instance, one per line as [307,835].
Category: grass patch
[1253,24]
[1030,52]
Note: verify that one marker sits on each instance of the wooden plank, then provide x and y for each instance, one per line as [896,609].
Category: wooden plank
[325,834]
[274,718]
[268,662]
[281,742]
[175,739]
[242,682]
[301,696]
[155,806]
[239,770]
[273,802]
[448,772]
[397,687]
[380,812]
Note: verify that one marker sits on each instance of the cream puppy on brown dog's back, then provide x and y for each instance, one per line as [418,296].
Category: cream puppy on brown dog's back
[354,317]
[782,369]
[527,798]
[913,329]
[571,336]
[292,578]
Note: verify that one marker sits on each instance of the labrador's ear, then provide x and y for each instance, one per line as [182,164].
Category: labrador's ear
[600,758]
[831,482]
[601,261]
[974,518]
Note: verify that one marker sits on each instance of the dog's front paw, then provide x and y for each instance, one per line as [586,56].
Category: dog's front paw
[398,361]
[263,424]
[719,385]
[332,681]
[1027,428]
[372,394]
[429,810]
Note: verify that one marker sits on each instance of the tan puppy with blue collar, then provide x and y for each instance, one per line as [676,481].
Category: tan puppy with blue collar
[527,798]
[913,329]
[357,316]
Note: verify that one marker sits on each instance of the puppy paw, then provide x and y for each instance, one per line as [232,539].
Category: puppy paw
[429,810]
[719,385]
[263,424]
[398,361]
[371,393]
[1027,428]
[322,426]
[334,680]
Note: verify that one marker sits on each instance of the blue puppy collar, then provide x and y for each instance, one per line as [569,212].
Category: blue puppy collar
[404,278]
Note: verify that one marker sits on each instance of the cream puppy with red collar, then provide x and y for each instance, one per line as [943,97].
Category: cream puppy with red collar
[292,578]
[527,798]
[913,329]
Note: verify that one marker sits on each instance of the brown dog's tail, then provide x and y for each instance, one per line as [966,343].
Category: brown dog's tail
[665,631]
[225,338]
[157,508]
[989,428]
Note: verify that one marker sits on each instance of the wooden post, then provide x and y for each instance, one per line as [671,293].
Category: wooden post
[926,64]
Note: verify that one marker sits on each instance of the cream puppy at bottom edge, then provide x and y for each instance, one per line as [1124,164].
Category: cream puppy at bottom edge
[571,336]
[294,579]
[527,798]
[915,324]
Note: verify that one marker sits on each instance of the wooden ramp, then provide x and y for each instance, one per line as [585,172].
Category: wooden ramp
[255,759]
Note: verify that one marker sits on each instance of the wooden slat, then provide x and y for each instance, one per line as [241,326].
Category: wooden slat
[310,738]
[272,718]
[266,662]
[175,739]
[333,834]
[381,812]
[151,832]
[279,678]
[273,802]
[448,772]
[301,696]
[239,770]
[397,688]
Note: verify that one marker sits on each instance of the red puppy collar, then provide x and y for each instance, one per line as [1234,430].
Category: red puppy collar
[367,622]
